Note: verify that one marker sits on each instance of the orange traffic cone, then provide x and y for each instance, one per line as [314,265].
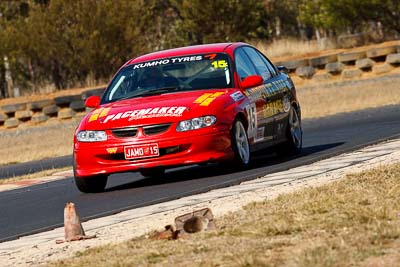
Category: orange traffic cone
[72,225]
[168,234]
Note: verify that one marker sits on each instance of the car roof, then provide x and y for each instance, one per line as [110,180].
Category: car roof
[188,50]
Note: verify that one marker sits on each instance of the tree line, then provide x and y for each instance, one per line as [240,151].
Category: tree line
[65,43]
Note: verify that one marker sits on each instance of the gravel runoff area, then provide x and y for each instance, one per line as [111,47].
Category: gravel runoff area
[41,248]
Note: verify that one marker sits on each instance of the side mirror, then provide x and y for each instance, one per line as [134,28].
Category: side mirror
[283,69]
[251,81]
[92,101]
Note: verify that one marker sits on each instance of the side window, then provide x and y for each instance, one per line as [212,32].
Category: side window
[268,63]
[244,67]
[259,63]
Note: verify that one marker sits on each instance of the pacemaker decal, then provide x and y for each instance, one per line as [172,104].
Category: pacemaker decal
[146,113]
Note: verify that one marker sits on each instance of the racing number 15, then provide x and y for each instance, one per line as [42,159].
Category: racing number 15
[219,64]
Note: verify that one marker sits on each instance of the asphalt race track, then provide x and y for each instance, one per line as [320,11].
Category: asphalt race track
[38,208]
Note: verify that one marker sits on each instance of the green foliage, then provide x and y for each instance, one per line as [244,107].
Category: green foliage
[64,42]
[343,14]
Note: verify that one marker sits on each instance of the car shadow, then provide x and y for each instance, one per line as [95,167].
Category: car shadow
[261,159]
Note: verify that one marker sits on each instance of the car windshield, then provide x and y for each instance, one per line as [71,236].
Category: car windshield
[194,72]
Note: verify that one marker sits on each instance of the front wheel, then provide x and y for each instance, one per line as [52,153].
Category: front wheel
[91,184]
[294,135]
[240,143]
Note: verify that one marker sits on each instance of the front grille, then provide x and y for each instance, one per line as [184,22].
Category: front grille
[125,132]
[155,129]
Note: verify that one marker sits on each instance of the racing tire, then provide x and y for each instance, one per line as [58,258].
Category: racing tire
[91,184]
[240,144]
[294,135]
[152,172]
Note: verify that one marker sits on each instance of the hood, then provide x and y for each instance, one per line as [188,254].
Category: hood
[159,109]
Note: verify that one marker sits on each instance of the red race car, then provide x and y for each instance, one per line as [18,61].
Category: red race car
[190,105]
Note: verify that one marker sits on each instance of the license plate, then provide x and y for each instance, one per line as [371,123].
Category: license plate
[141,151]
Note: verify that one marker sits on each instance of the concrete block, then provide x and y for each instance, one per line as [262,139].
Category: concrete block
[293,64]
[12,108]
[65,113]
[351,74]
[40,104]
[39,117]
[365,64]
[351,56]
[11,123]
[98,92]
[393,59]
[383,68]
[65,101]
[53,121]
[77,105]
[305,72]
[322,77]
[381,51]
[50,110]
[334,67]
[323,60]
[23,115]
[3,117]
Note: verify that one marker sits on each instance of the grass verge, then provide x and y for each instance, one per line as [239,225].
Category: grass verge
[352,222]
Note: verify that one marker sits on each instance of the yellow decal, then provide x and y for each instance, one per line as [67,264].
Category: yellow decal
[272,108]
[207,98]
[202,98]
[111,150]
[104,112]
[98,113]
[219,64]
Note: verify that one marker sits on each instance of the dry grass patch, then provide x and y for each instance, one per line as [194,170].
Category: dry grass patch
[287,49]
[36,143]
[351,222]
[328,99]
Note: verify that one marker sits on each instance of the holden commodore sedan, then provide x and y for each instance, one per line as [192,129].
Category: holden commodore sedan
[190,105]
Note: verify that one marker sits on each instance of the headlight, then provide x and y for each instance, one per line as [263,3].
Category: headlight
[195,123]
[91,136]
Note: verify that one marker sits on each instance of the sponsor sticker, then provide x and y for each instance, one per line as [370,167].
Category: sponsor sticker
[111,150]
[145,113]
[260,134]
[167,61]
[237,96]
[286,104]
[99,113]
[207,98]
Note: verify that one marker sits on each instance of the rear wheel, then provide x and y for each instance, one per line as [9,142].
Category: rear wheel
[152,172]
[91,184]
[240,143]
[294,135]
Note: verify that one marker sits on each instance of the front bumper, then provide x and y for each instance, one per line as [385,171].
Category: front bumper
[184,149]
